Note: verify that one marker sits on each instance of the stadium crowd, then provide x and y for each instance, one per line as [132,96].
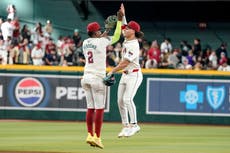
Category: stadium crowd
[21,45]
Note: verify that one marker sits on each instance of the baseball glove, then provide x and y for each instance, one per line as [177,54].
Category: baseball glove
[109,80]
[110,22]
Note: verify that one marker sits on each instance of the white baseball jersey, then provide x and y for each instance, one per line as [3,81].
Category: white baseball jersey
[130,52]
[129,82]
[94,50]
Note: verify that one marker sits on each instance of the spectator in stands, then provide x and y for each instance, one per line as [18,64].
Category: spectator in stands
[173,59]
[185,47]
[8,41]
[24,52]
[69,55]
[223,59]
[205,57]
[154,53]
[14,52]
[110,56]
[48,28]
[16,32]
[50,46]
[164,60]
[3,53]
[25,32]
[62,48]
[191,58]
[59,45]
[52,58]
[68,49]
[197,47]
[45,39]
[201,61]
[10,56]
[150,64]
[37,54]
[11,10]
[185,64]
[224,67]
[222,48]
[213,60]
[7,29]
[142,57]
[166,46]
[80,59]
[118,51]
[198,66]
[77,38]
[37,33]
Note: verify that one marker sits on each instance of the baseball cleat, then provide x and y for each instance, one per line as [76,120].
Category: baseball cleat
[90,140]
[133,130]
[97,142]
[124,132]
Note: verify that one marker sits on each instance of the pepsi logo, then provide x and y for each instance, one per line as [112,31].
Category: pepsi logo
[29,92]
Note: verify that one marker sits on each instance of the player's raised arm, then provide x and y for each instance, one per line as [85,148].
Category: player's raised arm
[124,22]
[117,33]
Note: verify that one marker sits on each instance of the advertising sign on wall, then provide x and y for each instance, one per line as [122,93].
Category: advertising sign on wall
[207,97]
[43,92]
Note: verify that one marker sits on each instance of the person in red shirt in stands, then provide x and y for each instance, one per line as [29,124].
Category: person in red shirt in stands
[50,46]
[154,53]
[16,32]
[223,58]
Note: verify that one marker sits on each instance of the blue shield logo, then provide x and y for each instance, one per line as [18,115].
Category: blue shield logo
[215,96]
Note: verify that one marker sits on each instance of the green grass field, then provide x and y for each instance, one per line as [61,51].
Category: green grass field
[69,137]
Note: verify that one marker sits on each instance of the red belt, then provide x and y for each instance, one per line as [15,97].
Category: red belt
[134,70]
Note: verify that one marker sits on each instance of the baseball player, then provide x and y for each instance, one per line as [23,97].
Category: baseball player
[130,79]
[94,49]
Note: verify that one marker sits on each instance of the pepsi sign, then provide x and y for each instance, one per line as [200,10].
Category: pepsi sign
[29,92]
[43,92]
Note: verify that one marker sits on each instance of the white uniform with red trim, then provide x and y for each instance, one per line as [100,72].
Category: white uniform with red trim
[94,50]
[129,82]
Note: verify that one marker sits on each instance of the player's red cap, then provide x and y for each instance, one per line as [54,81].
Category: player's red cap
[132,25]
[93,27]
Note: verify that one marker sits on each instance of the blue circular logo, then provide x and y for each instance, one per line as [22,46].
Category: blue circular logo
[28,92]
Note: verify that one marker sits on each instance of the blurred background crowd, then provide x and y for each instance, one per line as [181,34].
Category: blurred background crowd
[20,44]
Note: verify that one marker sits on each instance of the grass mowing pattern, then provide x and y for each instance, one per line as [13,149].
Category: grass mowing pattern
[69,137]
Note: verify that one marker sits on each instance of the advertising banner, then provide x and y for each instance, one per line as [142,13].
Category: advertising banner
[203,97]
[43,92]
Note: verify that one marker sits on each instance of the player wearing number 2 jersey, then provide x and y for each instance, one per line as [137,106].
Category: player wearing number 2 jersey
[94,49]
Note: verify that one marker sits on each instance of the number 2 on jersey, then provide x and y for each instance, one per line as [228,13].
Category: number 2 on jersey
[90,56]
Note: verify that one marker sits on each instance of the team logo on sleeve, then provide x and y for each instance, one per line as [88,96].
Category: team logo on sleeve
[130,53]
[29,92]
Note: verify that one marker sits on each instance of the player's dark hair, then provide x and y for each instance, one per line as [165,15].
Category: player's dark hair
[90,34]
[139,34]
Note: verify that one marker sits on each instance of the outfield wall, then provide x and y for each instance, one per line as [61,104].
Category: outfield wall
[167,96]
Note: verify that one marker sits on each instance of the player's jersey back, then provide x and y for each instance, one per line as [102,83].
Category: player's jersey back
[94,50]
